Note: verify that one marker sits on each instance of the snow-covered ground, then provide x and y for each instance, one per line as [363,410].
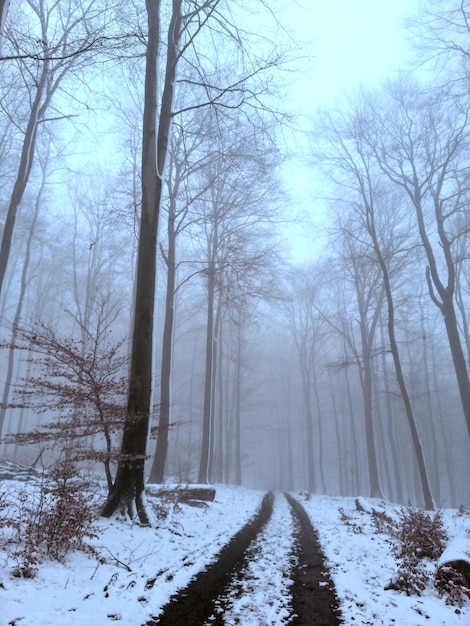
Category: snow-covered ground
[362,564]
[142,567]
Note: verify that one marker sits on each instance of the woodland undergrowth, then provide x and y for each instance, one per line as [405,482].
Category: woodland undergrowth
[47,521]
[418,538]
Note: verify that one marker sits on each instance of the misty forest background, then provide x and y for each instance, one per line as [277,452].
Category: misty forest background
[340,366]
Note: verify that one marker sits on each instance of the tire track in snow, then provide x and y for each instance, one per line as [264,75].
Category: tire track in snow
[271,573]
[313,593]
[193,605]
[260,595]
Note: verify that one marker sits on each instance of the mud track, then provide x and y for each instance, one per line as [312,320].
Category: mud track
[314,600]
[313,593]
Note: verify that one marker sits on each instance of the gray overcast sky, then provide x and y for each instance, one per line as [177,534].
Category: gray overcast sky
[351,42]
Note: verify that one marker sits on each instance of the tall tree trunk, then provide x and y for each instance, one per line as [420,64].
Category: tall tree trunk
[220,457]
[367,329]
[417,445]
[157,472]
[443,428]
[129,484]
[432,418]
[207,408]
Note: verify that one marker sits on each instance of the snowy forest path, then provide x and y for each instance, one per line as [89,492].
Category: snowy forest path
[313,594]
[313,598]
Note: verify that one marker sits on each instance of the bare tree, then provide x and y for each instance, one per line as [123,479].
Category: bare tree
[420,144]
[187,157]
[45,57]
[375,216]
[23,287]
[441,37]
[81,384]
[129,483]
[184,29]
[235,212]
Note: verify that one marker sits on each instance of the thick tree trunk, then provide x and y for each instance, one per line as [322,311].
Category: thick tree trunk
[129,484]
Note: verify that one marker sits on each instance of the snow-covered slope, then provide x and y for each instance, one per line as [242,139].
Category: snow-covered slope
[142,567]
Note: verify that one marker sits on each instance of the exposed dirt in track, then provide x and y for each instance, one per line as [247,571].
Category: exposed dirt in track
[313,594]
[196,603]
[313,597]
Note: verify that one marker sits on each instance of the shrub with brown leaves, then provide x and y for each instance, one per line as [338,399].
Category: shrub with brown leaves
[49,521]
[421,536]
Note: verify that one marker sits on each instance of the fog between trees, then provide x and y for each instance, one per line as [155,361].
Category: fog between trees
[346,374]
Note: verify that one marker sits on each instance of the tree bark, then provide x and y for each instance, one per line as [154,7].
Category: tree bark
[129,484]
